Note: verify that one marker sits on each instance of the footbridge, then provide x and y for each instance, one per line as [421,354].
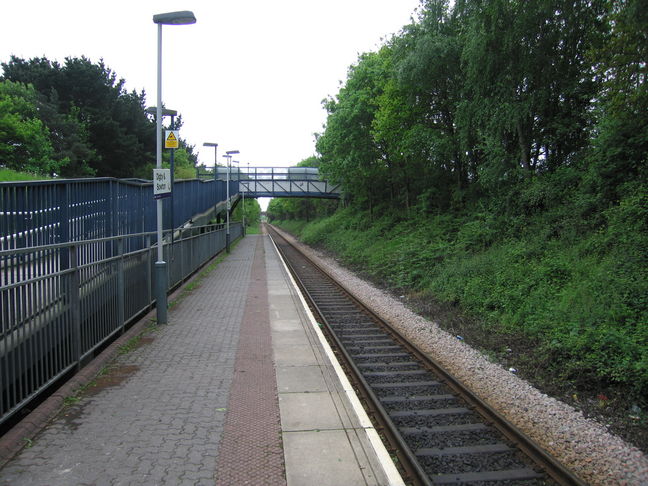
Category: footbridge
[280,182]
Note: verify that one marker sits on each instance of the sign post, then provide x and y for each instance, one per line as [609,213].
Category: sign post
[170,139]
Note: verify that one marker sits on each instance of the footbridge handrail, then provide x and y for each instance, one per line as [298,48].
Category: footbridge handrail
[280,182]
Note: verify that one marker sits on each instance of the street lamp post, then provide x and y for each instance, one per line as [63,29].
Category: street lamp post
[249,180]
[215,145]
[228,156]
[243,199]
[161,284]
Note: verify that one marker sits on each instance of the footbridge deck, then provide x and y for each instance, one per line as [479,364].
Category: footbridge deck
[280,182]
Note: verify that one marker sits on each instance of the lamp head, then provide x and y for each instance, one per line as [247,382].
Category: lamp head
[152,110]
[182,17]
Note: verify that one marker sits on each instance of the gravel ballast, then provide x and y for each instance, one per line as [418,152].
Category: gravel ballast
[583,445]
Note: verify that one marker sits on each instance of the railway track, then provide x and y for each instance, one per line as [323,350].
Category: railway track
[439,431]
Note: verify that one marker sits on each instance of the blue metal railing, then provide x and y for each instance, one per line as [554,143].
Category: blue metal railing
[60,211]
[76,266]
[54,316]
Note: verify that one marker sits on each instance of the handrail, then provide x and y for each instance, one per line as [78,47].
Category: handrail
[36,213]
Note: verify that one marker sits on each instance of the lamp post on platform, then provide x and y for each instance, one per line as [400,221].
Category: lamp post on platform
[247,189]
[228,156]
[243,194]
[170,18]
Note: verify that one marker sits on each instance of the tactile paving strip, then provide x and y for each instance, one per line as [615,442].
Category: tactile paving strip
[251,451]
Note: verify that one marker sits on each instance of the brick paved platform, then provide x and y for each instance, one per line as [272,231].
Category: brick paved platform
[237,389]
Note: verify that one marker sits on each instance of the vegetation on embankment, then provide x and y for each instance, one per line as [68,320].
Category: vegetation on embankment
[579,297]
[494,159]
[572,307]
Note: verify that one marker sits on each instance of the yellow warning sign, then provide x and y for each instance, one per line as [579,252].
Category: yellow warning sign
[171,139]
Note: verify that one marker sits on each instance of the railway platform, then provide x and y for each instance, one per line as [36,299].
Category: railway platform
[240,388]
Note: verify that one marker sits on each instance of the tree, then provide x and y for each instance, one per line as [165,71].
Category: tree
[185,159]
[280,209]
[113,134]
[418,108]
[529,85]
[349,153]
[25,144]
[252,212]
[620,154]
[69,137]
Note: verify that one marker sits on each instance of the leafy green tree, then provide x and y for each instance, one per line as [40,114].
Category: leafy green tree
[25,144]
[69,136]
[280,209]
[401,141]
[422,102]
[184,158]
[529,85]
[349,153]
[183,166]
[392,131]
[252,211]
[619,161]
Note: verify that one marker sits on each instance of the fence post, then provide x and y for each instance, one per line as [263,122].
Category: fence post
[64,221]
[120,284]
[143,228]
[181,247]
[75,306]
[213,237]
[113,204]
[149,283]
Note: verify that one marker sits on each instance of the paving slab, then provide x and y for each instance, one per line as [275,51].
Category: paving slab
[287,338]
[332,461]
[291,353]
[300,379]
[297,412]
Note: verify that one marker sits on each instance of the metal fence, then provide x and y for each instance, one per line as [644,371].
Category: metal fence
[54,316]
[41,213]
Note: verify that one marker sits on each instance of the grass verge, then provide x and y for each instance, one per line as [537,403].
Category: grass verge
[566,308]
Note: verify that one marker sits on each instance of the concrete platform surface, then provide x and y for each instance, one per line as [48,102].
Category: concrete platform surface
[239,388]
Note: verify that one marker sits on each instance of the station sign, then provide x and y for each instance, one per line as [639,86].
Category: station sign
[161,183]
[171,139]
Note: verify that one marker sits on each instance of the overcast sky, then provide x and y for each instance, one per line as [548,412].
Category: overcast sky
[249,75]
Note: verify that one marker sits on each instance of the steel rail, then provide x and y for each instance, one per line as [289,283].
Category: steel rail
[412,470]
